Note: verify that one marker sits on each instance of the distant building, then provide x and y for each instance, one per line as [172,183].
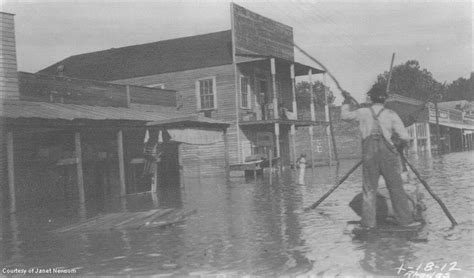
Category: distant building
[455,120]
[244,76]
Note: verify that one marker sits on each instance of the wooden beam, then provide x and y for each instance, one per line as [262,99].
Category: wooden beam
[11,171]
[293,89]
[295,111]
[293,141]
[121,161]
[275,97]
[226,154]
[277,142]
[310,80]
[327,119]
[154,182]
[313,115]
[415,138]
[80,175]
[240,158]
[312,146]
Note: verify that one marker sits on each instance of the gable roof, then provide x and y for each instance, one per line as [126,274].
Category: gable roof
[213,49]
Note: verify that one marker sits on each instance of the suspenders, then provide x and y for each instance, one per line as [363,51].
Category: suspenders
[376,129]
[377,133]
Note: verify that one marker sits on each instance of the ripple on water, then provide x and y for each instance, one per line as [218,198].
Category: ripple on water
[254,227]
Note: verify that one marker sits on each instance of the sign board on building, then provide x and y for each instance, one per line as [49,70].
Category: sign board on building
[443,116]
[258,35]
[264,139]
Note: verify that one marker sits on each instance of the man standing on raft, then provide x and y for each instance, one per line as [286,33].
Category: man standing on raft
[379,155]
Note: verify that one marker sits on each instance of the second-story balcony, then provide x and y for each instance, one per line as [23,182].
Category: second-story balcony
[267,92]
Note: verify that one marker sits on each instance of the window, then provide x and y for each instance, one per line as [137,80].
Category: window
[244,92]
[206,93]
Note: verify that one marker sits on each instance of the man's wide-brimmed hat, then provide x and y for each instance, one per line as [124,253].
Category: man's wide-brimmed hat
[378,90]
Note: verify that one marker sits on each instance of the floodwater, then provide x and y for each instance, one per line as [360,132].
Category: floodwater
[253,228]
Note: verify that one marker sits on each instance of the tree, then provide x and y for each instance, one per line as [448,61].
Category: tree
[460,89]
[411,81]
[303,97]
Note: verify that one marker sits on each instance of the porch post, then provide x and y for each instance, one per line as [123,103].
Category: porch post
[293,143]
[275,108]
[448,138]
[274,91]
[80,177]
[295,112]
[428,137]
[470,141]
[11,171]
[277,139]
[154,183]
[121,163]
[415,138]
[226,154]
[326,118]
[313,116]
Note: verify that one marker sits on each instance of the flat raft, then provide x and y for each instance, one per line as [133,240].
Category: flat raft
[387,229]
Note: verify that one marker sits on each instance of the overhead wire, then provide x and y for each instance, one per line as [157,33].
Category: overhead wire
[343,46]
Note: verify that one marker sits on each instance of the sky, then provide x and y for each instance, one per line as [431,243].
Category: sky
[353,39]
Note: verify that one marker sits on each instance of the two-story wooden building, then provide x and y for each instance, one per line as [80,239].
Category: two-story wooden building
[244,76]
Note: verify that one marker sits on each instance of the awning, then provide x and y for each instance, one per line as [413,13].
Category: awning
[195,136]
[455,125]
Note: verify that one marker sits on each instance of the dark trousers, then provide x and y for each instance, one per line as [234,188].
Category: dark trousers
[381,159]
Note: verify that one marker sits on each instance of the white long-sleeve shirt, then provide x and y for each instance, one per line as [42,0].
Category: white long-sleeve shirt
[389,121]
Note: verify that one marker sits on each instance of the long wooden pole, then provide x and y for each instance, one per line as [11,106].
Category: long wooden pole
[390,73]
[326,70]
[313,206]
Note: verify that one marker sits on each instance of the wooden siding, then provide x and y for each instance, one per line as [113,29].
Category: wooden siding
[8,64]
[202,160]
[152,96]
[185,84]
[48,88]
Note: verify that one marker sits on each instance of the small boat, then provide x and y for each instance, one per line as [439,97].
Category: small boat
[387,229]
[386,224]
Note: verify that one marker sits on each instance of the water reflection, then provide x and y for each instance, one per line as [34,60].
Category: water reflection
[384,255]
[247,227]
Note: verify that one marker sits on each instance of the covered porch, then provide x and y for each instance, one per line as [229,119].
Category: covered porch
[268,103]
[67,152]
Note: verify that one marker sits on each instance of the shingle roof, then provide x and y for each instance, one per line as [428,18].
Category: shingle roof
[213,49]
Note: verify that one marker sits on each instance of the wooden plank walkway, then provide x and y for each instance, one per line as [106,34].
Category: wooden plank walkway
[155,218]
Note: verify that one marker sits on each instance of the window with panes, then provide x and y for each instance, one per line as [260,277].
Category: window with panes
[206,93]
